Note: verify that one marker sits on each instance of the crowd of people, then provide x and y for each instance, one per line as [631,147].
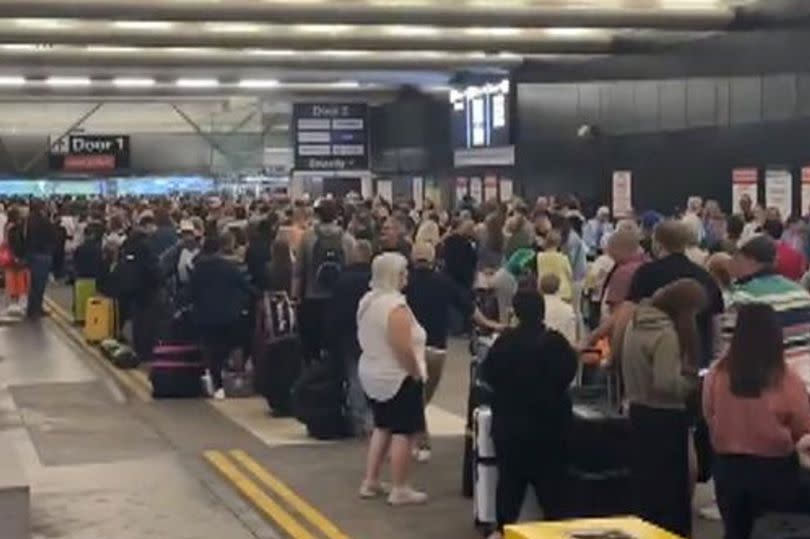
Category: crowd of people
[706,317]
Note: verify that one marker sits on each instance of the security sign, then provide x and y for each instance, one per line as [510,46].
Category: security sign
[331,136]
[90,153]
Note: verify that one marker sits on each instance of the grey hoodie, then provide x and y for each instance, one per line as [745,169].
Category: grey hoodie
[651,361]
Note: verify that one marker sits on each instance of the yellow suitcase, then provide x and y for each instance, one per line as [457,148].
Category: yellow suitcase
[100,319]
[599,528]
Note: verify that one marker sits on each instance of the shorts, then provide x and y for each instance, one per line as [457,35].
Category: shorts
[404,413]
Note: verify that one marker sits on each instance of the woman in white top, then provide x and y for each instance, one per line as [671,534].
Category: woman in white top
[392,371]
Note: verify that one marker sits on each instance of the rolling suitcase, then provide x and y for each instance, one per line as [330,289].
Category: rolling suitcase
[478,394]
[100,321]
[485,470]
[278,356]
[176,372]
[83,290]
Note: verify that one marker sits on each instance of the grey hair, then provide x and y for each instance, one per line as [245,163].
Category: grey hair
[386,272]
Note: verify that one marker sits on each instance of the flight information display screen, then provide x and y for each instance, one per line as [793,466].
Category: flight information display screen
[480,116]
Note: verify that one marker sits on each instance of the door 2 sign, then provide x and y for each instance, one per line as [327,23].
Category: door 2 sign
[331,136]
[90,153]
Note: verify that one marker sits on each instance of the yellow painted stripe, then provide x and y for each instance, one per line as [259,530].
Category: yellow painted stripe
[254,494]
[63,320]
[302,507]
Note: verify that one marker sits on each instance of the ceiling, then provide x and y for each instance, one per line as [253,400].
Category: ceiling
[215,47]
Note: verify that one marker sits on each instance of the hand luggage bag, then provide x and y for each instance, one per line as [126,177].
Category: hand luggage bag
[599,467]
[83,290]
[319,402]
[479,393]
[100,322]
[125,358]
[176,372]
[278,356]
[485,470]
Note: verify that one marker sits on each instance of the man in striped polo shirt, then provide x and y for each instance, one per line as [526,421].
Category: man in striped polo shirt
[757,282]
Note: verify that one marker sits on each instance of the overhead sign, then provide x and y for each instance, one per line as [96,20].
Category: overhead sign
[90,153]
[779,191]
[331,136]
[480,115]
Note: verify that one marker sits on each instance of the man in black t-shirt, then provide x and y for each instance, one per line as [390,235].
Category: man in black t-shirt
[671,264]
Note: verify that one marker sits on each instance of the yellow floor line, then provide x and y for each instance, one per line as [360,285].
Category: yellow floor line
[315,517]
[256,496]
[63,320]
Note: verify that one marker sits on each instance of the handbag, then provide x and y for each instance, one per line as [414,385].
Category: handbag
[6,256]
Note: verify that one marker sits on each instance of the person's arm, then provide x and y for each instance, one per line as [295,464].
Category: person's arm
[708,397]
[799,403]
[567,361]
[399,337]
[613,324]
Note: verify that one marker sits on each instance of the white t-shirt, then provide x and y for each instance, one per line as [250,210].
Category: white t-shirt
[560,316]
[381,375]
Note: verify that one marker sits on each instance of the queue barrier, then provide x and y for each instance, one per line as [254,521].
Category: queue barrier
[600,528]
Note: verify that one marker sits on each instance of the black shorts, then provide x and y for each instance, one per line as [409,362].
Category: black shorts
[404,413]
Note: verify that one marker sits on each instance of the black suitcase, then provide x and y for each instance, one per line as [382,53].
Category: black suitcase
[176,372]
[782,526]
[319,402]
[277,353]
[599,466]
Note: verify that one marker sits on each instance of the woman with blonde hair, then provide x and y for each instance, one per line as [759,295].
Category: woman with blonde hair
[429,232]
[554,262]
[392,371]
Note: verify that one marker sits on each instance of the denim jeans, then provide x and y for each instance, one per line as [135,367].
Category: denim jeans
[40,267]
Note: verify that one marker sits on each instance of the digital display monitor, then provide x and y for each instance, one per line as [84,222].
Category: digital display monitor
[480,116]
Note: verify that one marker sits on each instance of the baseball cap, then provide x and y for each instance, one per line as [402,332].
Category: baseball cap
[186,226]
[760,248]
[519,260]
[423,252]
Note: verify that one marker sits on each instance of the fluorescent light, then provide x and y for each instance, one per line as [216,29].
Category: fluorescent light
[270,52]
[133,82]
[345,84]
[19,47]
[68,81]
[43,23]
[197,83]
[323,28]
[483,31]
[258,84]
[570,32]
[144,25]
[344,53]
[12,81]
[232,27]
[109,49]
[403,30]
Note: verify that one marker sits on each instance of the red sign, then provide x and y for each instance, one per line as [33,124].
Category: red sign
[89,163]
[745,175]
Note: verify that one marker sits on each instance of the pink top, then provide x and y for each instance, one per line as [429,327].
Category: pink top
[768,426]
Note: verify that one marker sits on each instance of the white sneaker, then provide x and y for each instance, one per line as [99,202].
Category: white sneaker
[406,496]
[219,394]
[422,455]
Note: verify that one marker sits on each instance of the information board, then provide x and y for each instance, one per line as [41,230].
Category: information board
[744,183]
[330,136]
[779,191]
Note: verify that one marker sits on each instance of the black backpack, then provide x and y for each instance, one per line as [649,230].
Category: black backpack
[319,402]
[126,278]
[328,259]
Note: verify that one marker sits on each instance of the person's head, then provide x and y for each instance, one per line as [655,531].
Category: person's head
[428,232]
[327,211]
[735,226]
[682,300]
[773,228]
[755,360]
[494,224]
[212,244]
[745,204]
[719,267]
[187,231]
[389,273]
[553,241]
[529,307]
[229,242]
[759,213]
[147,223]
[363,252]
[423,255]
[756,255]
[549,284]
[712,210]
[603,214]
[542,223]
[773,213]
[466,227]
[541,205]
[694,204]
[622,245]
[163,217]
[391,232]
[521,262]
[670,237]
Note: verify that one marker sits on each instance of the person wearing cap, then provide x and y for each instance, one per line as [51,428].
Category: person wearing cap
[596,229]
[178,261]
[757,281]
[430,296]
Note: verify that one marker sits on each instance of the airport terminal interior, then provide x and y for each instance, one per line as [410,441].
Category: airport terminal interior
[197,196]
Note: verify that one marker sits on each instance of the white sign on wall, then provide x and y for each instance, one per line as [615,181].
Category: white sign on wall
[779,191]
[461,188]
[507,190]
[622,193]
[385,190]
[490,188]
[418,190]
[805,209]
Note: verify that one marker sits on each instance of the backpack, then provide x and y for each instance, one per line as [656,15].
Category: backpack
[328,259]
[126,276]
